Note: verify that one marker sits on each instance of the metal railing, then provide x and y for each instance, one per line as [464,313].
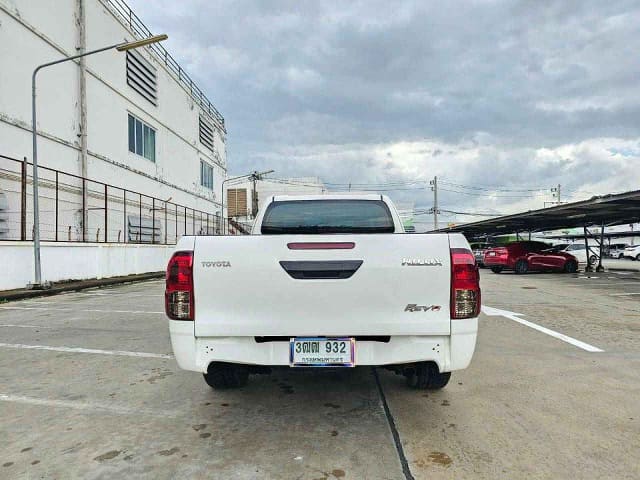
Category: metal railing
[124,12]
[110,214]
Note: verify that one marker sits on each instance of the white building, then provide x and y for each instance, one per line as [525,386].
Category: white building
[133,120]
[240,199]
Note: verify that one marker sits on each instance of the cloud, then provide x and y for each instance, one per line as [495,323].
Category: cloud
[510,95]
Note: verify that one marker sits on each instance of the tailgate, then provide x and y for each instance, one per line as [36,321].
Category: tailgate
[256,285]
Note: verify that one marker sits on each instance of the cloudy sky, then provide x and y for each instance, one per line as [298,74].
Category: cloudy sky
[502,100]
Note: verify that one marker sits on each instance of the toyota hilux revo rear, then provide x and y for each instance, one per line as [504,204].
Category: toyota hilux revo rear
[324,281]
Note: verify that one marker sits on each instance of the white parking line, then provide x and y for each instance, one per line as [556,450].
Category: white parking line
[86,350]
[623,294]
[159,295]
[560,336]
[92,406]
[81,310]
[22,326]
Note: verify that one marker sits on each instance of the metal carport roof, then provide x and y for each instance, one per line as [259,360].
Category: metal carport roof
[614,209]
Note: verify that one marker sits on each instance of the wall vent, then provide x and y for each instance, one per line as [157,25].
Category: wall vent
[237,202]
[206,133]
[141,76]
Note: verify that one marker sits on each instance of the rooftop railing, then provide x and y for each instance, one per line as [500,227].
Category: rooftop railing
[140,30]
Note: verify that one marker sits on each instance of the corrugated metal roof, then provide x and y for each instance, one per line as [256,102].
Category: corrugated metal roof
[614,209]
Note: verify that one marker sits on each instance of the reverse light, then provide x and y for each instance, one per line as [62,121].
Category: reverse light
[178,295]
[465,284]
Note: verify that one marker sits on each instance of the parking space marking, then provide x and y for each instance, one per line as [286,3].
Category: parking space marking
[82,310]
[86,350]
[624,294]
[493,312]
[22,326]
[96,294]
[91,406]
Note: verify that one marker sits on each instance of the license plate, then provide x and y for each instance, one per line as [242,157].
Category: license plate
[492,254]
[322,352]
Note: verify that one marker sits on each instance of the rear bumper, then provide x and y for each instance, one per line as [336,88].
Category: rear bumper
[450,352]
[496,262]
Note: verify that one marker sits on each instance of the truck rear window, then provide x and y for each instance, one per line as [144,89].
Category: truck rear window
[327,216]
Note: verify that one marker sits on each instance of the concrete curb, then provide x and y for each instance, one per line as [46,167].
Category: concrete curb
[622,269]
[21,294]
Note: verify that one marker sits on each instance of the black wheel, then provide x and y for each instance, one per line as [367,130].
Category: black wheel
[593,259]
[496,269]
[426,376]
[226,375]
[571,267]
[521,267]
[638,257]
[620,257]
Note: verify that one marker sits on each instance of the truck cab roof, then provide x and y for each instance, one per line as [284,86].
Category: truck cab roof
[359,217]
[332,196]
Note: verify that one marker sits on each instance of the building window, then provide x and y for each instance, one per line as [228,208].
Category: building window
[206,133]
[142,139]
[206,175]
[141,76]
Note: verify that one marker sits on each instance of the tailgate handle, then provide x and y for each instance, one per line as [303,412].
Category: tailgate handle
[324,270]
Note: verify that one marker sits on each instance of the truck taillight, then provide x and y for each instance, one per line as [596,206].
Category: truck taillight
[465,284]
[178,295]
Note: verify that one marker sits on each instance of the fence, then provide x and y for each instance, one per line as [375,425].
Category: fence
[77,209]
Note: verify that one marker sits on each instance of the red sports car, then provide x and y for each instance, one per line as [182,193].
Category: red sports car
[523,257]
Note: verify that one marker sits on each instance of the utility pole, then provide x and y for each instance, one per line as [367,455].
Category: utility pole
[556,193]
[254,195]
[434,188]
[82,94]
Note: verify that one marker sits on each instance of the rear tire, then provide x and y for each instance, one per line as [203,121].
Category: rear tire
[426,376]
[638,257]
[496,269]
[226,375]
[593,259]
[571,267]
[521,267]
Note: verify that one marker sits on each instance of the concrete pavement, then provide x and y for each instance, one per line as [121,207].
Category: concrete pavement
[100,396]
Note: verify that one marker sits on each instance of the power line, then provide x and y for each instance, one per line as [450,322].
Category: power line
[489,194]
[493,187]
[344,187]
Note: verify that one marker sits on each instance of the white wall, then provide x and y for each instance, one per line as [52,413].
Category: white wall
[78,261]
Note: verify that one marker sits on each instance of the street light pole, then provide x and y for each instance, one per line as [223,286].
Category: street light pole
[121,47]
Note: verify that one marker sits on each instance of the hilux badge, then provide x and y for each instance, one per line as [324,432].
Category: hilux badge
[422,262]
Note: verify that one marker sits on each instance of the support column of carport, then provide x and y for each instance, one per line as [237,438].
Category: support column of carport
[589,267]
[587,233]
[600,268]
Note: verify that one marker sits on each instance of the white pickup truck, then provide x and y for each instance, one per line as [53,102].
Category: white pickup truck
[324,281]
